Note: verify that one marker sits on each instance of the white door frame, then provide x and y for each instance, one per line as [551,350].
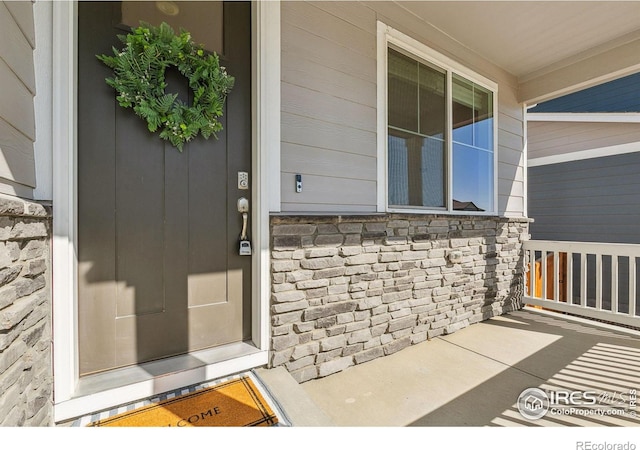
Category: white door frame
[74,397]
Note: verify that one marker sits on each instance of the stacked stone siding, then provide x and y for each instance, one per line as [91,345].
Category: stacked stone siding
[26,373]
[346,290]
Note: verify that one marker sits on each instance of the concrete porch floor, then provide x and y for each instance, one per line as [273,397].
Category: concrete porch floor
[474,377]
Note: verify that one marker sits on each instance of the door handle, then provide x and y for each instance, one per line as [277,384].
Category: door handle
[243,208]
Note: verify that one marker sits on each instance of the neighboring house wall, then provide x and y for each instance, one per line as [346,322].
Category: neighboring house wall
[583,176]
[570,138]
[590,200]
[329,106]
[583,167]
[17,90]
[346,288]
[621,95]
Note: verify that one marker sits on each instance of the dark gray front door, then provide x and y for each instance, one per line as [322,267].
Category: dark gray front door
[158,267]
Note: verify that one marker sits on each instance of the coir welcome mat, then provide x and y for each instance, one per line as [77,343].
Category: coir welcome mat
[235,403]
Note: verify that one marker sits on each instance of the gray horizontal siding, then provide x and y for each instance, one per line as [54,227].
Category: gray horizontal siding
[329,122]
[22,12]
[14,45]
[328,111]
[17,90]
[591,200]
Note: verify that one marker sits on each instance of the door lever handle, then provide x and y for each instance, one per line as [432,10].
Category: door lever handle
[243,234]
[243,208]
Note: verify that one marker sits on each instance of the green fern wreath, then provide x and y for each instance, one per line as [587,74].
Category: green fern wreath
[139,80]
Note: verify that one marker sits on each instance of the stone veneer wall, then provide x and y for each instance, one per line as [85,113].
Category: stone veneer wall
[346,290]
[26,374]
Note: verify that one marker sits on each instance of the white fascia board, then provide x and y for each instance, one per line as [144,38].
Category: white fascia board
[585,117]
[585,154]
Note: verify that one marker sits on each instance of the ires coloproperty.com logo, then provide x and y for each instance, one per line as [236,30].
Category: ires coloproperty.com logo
[534,403]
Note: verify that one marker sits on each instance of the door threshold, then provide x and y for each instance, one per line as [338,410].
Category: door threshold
[116,387]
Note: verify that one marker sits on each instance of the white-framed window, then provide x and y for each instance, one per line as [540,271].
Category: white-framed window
[437,131]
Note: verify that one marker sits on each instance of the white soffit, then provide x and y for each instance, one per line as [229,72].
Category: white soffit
[552,47]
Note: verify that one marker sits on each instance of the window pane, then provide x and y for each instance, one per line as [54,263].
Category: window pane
[403,91]
[472,179]
[462,108]
[472,114]
[418,151]
[483,121]
[416,170]
[432,101]
[472,146]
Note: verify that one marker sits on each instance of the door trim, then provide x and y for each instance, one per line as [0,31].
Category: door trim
[74,397]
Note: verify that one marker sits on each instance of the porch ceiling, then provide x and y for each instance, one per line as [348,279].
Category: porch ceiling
[551,47]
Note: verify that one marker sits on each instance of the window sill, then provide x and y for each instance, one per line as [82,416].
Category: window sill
[441,212]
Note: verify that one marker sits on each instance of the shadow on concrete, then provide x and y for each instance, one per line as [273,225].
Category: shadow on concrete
[584,358]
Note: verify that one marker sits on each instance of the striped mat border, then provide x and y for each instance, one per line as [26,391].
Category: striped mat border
[277,409]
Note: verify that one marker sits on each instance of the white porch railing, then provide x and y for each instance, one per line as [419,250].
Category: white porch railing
[595,280]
